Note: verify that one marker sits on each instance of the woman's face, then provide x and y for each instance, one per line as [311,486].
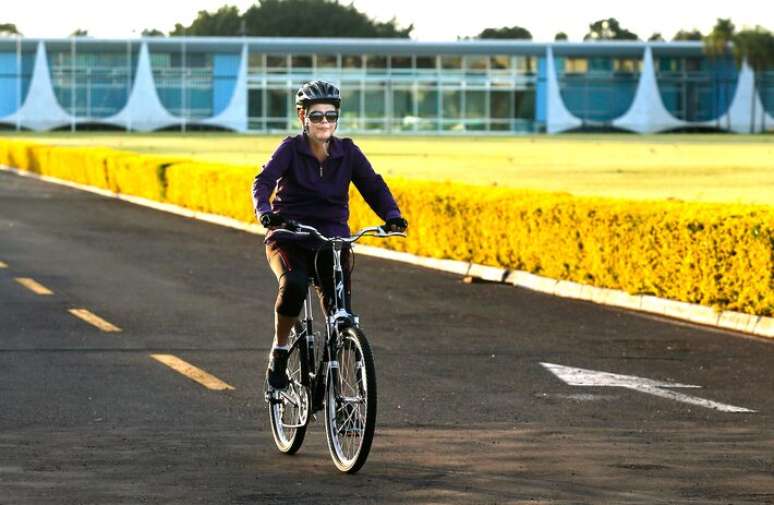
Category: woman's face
[322,131]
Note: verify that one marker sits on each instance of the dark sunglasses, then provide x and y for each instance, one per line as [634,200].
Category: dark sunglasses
[317,116]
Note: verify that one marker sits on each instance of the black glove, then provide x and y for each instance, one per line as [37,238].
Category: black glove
[395,224]
[272,220]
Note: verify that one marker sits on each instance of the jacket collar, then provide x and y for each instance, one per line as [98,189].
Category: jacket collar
[336,149]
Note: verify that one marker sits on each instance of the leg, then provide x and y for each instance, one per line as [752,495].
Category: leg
[289,266]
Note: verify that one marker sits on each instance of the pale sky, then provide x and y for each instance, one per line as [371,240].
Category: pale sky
[433,20]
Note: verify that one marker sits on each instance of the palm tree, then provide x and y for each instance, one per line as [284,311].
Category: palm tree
[757,48]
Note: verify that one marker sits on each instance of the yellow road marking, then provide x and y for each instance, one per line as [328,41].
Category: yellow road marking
[94,319]
[3,264]
[196,374]
[34,286]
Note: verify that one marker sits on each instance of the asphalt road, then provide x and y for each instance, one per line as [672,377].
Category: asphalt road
[467,413]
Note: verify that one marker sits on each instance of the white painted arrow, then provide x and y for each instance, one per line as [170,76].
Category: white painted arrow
[584,377]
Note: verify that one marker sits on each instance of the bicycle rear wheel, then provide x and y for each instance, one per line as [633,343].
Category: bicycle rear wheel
[350,402]
[289,409]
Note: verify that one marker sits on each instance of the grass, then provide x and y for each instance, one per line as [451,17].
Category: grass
[708,168]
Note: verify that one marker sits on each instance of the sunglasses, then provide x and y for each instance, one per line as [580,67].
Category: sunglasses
[317,116]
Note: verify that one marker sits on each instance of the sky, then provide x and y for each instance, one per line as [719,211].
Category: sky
[432,20]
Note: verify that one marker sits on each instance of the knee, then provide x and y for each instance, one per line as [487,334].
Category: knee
[292,291]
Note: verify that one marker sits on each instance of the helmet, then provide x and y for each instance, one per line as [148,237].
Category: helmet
[317,92]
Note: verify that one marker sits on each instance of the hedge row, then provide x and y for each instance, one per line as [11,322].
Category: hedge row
[717,255]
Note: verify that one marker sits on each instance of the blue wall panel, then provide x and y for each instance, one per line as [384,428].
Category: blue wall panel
[8,84]
[225,68]
[541,95]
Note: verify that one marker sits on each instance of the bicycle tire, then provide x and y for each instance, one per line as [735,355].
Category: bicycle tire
[291,408]
[350,418]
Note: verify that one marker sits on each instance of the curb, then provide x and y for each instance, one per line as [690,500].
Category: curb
[760,326]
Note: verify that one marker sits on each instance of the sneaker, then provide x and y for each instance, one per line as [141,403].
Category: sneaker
[278,378]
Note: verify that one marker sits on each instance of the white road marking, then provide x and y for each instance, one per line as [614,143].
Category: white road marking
[584,377]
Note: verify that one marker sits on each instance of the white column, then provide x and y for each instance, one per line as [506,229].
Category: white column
[647,114]
[234,116]
[558,118]
[40,110]
[143,109]
[746,112]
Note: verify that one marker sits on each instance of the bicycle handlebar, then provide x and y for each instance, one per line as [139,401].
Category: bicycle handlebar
[302,230]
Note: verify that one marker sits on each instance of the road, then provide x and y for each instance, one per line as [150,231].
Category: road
[467,413]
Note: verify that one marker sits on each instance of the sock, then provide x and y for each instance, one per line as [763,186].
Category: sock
[282,347]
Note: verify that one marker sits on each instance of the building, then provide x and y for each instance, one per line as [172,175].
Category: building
[388,85]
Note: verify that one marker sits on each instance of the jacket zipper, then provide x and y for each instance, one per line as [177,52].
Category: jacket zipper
[321,171]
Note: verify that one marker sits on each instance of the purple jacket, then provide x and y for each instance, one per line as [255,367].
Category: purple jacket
[317,194]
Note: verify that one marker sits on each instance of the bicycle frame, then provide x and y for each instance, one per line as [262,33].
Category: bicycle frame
[338,317]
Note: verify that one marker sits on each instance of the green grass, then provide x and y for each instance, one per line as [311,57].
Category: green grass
[709,168]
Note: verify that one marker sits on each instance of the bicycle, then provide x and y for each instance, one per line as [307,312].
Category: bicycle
[342,382]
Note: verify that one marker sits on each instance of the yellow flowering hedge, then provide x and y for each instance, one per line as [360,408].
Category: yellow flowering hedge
[717,255]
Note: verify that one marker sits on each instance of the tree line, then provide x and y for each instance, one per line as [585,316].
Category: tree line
[329,18]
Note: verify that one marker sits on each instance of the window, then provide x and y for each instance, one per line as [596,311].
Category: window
[451,62]
[352,62]
[278,108]
[452,104]
[694,64]
[427,102]
[301,62]
[327,61]
[500,62]
[426,62]
[524,104]
[376,64]
[256,62]
[350,107]
[500,103]
[475,63]
[401,63]
[525,64]
[627,65]
[670,65]
[276,63]
[402,103]
[374,103]
[576,65]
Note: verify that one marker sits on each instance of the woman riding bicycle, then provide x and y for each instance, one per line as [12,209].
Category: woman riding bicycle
[311,173]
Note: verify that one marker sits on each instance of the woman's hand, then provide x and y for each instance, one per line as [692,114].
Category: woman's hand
[395,224]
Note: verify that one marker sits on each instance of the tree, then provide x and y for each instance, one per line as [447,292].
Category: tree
[8,29]
[226,21]
[79,32]
[560,36]
[716,42]
[688,35]
[656,37]
[506,32]
[757,48]
[152,32]
[292,18]
[608,29]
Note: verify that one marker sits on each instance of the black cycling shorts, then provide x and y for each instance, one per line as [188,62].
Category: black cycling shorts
[294,266]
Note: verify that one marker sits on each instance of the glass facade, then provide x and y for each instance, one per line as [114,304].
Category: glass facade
[399,93]
[387,86]
[598,89]
[92,84]
[696,88]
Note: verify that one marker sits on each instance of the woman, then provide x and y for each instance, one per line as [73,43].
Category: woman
[311,173]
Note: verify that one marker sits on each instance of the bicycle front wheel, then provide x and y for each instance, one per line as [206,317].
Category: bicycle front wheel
[289,409]
[350,402]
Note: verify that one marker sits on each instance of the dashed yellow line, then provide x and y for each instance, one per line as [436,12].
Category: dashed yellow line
[34,286]
[196,374]
[94,320]
[3,264]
